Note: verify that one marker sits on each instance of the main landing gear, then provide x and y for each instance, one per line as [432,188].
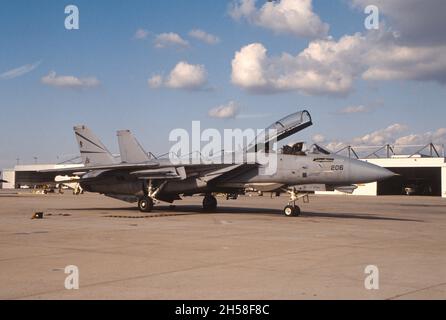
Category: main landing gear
[293,210]
[145,204]
[209,203]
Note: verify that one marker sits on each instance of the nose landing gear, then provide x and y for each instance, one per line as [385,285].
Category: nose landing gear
[293,210]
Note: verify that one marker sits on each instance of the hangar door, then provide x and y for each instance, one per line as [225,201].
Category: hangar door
[412,180]
[33,178]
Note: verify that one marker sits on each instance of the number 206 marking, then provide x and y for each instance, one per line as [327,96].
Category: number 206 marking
[337,167]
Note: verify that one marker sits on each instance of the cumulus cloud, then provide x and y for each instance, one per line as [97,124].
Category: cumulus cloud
[324,67]
[52,79]
[415,49]
[141,34]
[335,145]
[248,67]
[388,59]
[170,39]
[380,137]
[183,76]
[204,36]
[318,138]
[376,138]
[409,45]
[285,16]
[417,22]
[395,136]
[226,111]
[330,67]
[20,71]
[354,109]
[437,137]
[155,81]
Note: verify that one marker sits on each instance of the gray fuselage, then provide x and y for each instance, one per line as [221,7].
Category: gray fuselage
[284,170]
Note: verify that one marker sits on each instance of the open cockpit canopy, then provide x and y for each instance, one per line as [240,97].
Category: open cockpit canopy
[291,124]
[281,129]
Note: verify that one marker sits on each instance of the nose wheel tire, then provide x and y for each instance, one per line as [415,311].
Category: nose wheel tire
[145,204]
[209,203]
[291,211]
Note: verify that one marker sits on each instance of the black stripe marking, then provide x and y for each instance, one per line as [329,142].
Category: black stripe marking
[78,134]
[94,152]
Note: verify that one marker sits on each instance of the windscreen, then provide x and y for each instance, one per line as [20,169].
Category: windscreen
[317,149]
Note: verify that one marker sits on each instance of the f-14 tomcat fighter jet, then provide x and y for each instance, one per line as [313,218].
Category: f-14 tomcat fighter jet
[146,180]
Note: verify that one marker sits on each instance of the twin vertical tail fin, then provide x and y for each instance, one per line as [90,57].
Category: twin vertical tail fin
[93,151]
[130,149]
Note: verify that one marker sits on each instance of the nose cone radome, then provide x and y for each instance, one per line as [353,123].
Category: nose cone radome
[366,172]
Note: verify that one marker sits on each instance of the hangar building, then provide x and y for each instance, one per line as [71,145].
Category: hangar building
[419,173]
[29,175]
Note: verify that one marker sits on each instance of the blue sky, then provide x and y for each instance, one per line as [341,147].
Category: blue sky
[38,116]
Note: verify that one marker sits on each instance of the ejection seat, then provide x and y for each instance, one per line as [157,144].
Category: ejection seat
[295,149]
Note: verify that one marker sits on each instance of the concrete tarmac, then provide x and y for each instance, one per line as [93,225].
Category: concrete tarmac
[246,250]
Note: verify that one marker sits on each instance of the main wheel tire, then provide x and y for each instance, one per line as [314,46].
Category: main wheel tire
[209,203]
[145,204]
[291,211]
[297,211]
